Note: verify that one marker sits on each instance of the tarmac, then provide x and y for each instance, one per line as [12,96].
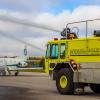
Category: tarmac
[36,86]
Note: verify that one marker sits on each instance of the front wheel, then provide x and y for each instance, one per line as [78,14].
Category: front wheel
[95,88]
[64,81]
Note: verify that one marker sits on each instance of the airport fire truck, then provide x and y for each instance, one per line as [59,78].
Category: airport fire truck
[74,61]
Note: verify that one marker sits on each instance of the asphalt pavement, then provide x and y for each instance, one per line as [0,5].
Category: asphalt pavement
[36,86]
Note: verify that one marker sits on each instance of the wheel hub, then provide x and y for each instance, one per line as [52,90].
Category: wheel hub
[63,81]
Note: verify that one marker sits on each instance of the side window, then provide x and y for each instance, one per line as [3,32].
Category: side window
[48,51]
[54,51]
[62,51]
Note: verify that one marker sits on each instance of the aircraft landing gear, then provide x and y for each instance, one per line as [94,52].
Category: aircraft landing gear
[16,73]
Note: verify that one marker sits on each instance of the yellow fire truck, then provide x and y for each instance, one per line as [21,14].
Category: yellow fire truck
[74,62]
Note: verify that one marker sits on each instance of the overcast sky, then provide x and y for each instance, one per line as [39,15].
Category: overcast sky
[54,13]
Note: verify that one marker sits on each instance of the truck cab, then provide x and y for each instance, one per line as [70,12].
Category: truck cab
[55,53]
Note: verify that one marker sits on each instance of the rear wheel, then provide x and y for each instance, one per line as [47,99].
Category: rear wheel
[95,88]
[64,81]
[16,73]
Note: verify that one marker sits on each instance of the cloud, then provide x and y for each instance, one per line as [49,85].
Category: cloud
[9,47]
[37,6]
[40,37]
[27,5]
[92,2]
[86,12]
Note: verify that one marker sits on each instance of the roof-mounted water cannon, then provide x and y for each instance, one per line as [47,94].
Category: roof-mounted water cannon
[68,34]
[71,34]
[63,33]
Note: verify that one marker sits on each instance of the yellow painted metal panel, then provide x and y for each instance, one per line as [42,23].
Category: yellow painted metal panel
[80,50]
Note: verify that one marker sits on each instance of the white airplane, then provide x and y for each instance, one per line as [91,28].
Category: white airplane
[7,65]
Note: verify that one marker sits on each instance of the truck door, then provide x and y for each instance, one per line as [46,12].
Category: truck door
[54,56]
[47,57]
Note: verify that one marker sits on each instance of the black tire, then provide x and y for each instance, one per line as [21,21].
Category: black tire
[69,87]
[16,73]
[95,88]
